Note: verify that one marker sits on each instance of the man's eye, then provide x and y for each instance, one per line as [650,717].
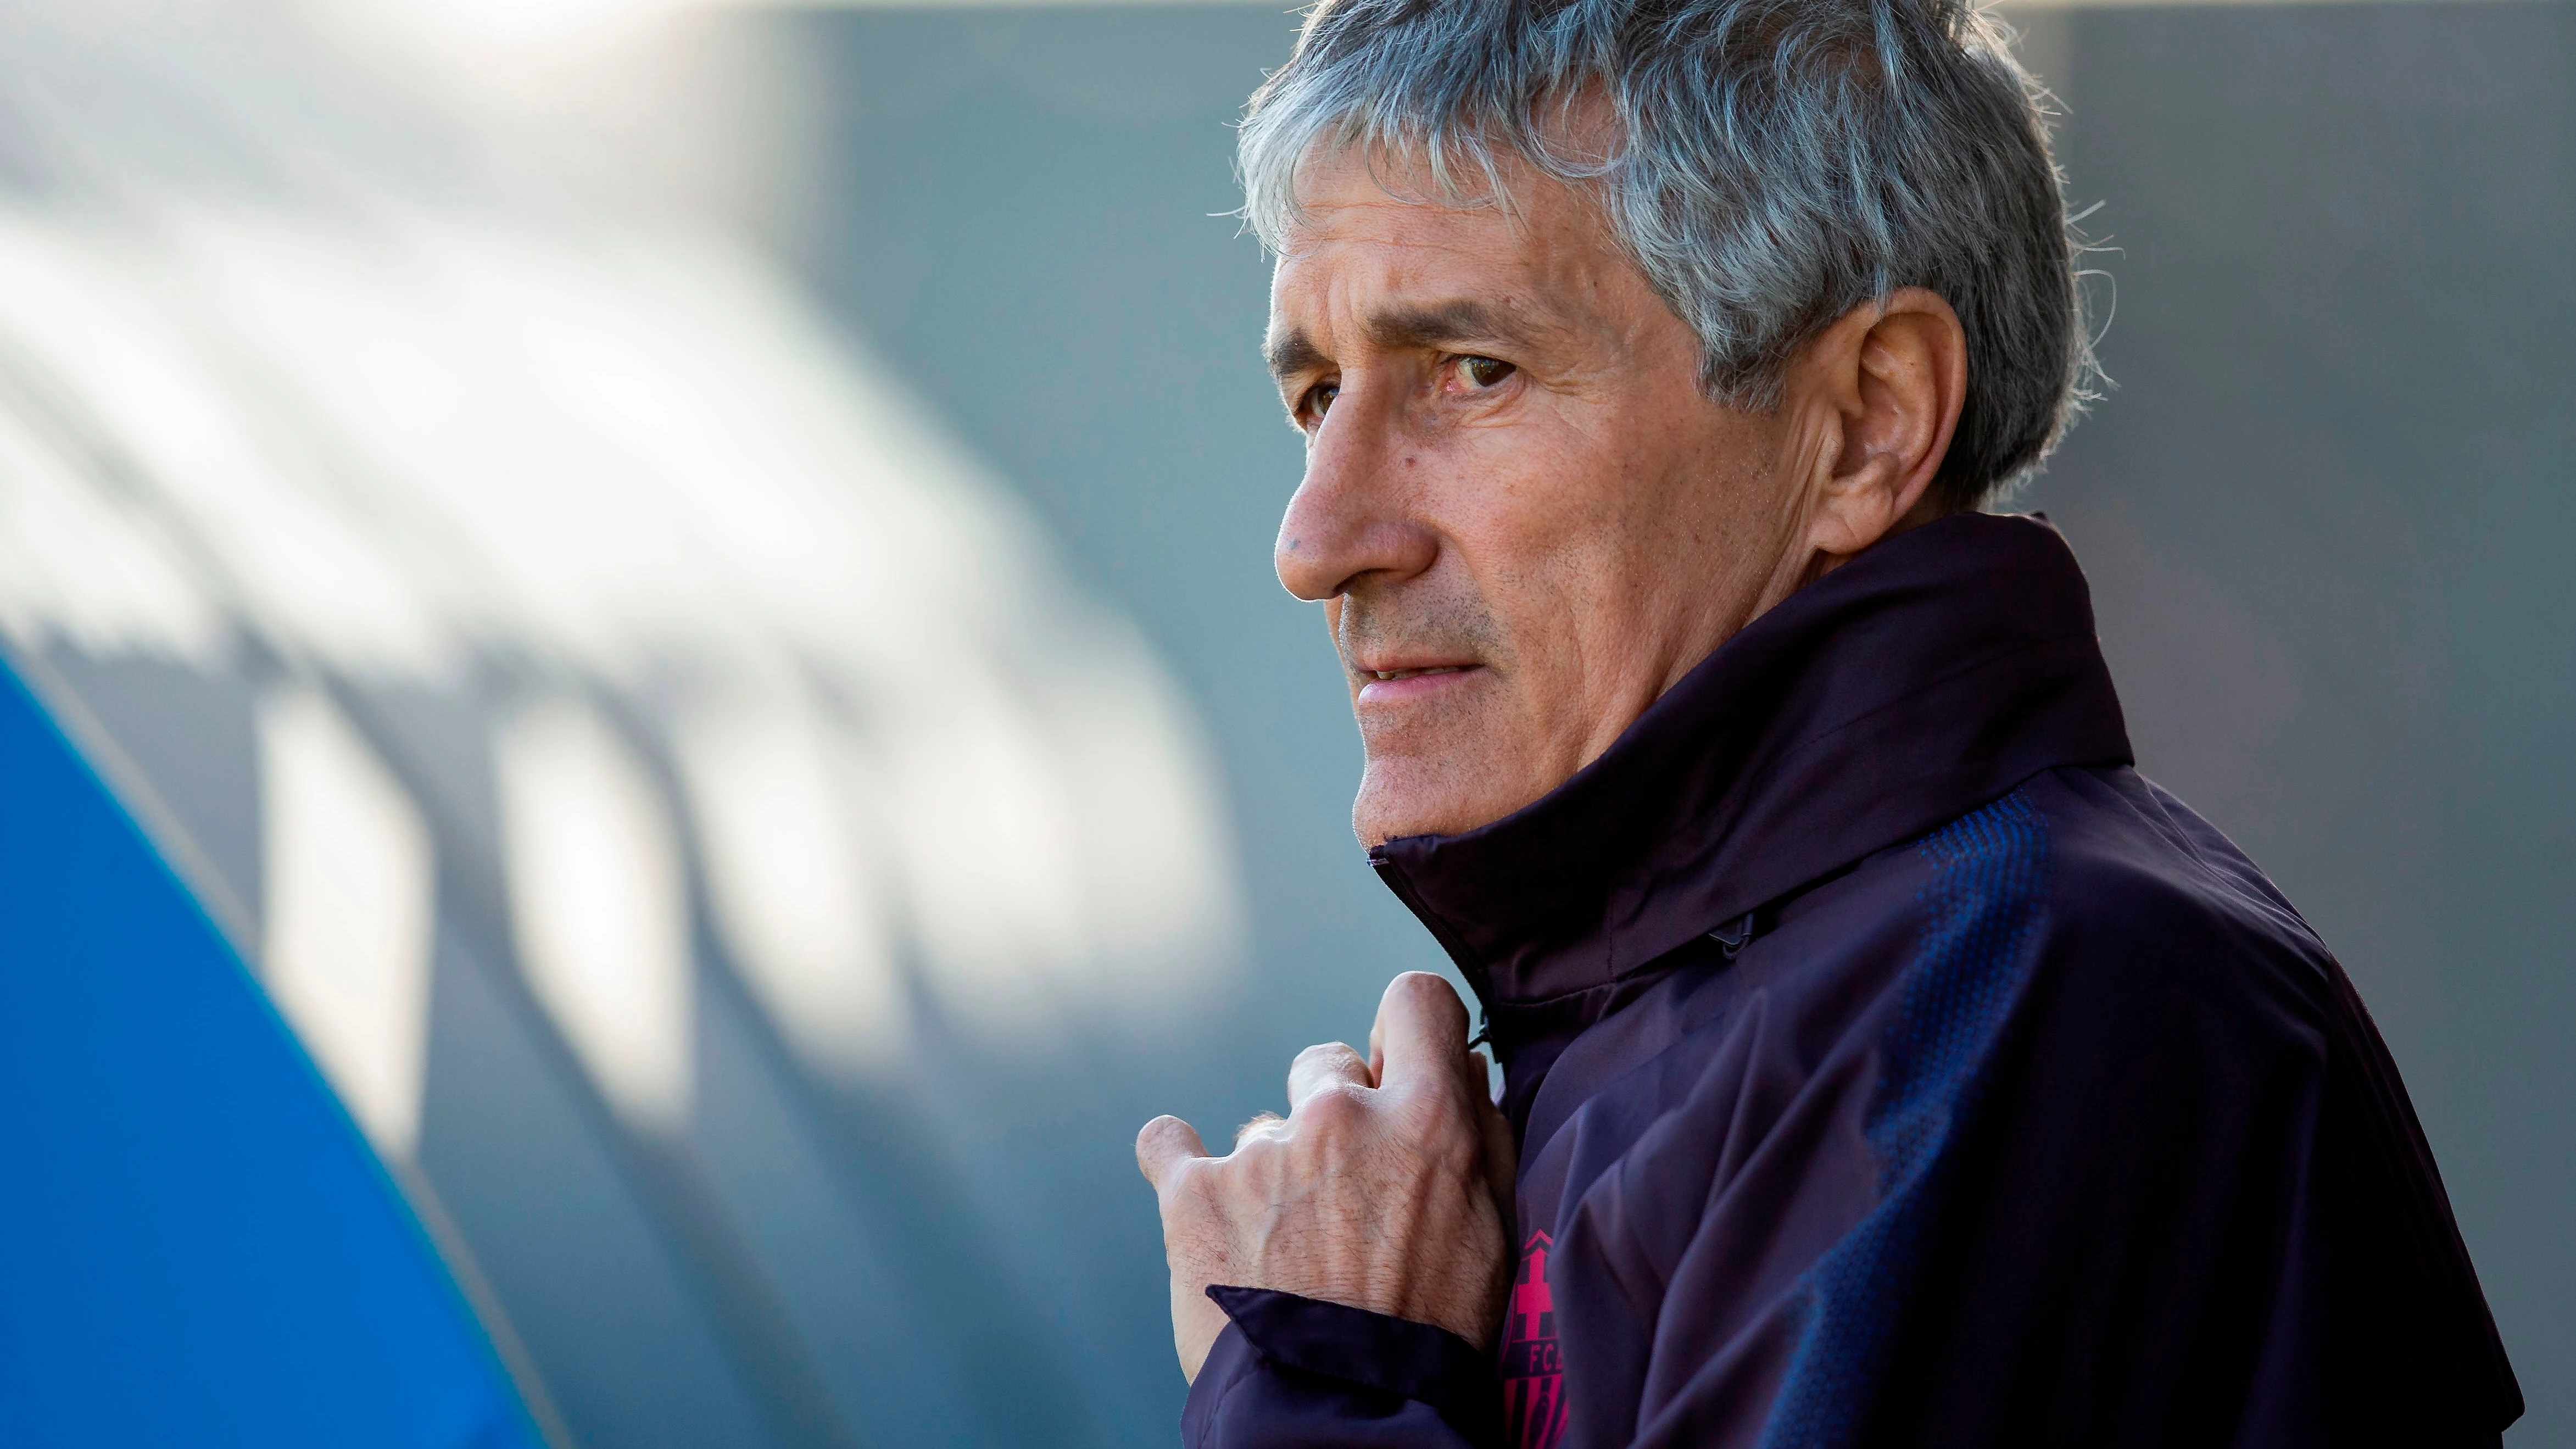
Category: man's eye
[1318,401]
[1486,371]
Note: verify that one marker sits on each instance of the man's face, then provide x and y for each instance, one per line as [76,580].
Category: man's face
[1523,518]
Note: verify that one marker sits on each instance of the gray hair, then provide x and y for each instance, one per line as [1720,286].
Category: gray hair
[1770,165]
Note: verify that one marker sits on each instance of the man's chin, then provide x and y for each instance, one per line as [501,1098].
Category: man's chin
[1400,798]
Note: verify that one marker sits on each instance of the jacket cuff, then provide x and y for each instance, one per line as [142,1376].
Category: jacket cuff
[1430,1366]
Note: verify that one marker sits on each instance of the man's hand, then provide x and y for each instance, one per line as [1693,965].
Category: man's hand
[1388,1186]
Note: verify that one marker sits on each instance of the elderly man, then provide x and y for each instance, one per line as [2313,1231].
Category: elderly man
[1883,1060]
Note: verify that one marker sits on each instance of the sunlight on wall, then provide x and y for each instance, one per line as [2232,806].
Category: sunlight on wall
[394,444]
[796,884]
[84,564]
[598,903]
[641,754]
[350,890]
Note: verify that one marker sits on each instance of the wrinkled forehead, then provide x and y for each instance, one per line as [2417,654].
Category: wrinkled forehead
[1349,196]
[1366,241]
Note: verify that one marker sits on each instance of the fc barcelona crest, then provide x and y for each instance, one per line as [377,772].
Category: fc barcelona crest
[1533,1373]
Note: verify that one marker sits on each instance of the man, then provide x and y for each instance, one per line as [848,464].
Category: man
[1884,1061]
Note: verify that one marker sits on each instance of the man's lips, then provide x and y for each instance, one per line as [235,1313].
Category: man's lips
[1387,686]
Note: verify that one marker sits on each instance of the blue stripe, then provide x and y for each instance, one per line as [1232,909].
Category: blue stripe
[1981,907]
[196,1247]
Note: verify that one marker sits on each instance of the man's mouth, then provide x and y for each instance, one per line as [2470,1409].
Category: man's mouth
[1391,686]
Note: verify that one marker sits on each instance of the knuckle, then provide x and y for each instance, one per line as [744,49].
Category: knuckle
[1335,1109]
[1422,988]
[1329,1056]
[1254,1155]
[1183,1187]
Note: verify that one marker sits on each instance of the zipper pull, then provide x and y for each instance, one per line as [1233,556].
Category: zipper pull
[1733,936]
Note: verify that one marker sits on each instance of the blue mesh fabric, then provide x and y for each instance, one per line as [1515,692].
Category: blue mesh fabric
[1981,908]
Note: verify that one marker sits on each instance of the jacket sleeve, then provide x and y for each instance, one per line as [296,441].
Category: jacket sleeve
[1291,1372]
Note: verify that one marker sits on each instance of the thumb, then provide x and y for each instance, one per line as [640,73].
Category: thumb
[1165,1144]
[1421,1033]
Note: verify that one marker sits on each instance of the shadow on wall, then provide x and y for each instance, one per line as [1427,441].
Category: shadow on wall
[711,845]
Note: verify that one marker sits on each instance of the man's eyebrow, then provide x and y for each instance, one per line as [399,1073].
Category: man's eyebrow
[1436,324]
[1290,354]
[1445,323]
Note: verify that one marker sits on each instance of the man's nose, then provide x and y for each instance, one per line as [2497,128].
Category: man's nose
[1357,512]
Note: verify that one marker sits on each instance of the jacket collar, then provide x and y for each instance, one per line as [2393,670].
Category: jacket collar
[1928,676]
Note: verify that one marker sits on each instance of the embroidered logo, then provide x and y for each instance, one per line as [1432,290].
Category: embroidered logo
[1533,1374]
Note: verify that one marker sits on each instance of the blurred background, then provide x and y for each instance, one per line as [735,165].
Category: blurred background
[688,584]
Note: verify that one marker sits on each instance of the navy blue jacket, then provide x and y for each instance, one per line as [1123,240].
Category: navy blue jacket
[1893,1065]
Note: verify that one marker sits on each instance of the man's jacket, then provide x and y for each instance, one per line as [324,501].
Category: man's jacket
[1893,1065]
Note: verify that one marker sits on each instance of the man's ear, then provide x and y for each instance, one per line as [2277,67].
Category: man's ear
[1884,386]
